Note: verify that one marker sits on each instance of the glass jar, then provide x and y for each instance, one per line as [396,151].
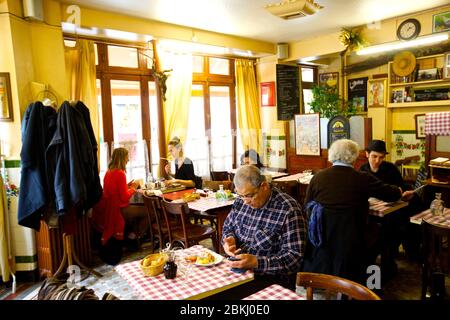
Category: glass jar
[437,205]
[170,270]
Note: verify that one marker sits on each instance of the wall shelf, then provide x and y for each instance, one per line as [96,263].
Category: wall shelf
[415,104]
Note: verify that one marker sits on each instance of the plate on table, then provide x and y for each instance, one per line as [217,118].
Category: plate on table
[212,255]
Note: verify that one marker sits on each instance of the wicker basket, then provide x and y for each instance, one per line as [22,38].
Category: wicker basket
[153,270]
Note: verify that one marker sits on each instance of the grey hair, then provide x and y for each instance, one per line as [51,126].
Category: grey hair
[248,174]
[343,150]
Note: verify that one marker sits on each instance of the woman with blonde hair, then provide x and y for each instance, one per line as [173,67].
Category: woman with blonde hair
[114,209]
[184,168]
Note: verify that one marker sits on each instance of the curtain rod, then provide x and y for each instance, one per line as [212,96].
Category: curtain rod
[68,36]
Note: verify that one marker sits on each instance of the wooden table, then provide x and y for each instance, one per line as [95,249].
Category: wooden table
[273,174]
[442,221]
[275,292]
[381,208]
[203,281]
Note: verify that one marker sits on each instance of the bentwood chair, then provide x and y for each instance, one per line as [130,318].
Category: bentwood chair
[436,259]
[219,175]
[158,224]
[332,285]
[189,233]
[290,187]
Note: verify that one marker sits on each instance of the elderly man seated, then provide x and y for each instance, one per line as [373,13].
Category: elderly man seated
[337,198]
[265,230]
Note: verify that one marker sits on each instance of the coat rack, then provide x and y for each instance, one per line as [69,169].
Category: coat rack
[69,256]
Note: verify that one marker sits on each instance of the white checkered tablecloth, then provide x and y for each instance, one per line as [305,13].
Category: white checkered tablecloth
[202,280]
[437,123]
[381,208]
[443,221]
[208,203]
[301,177]
[275,292]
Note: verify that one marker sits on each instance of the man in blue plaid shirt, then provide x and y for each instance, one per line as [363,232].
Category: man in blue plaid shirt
[265,229]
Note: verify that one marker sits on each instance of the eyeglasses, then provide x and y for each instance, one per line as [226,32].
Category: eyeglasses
[249,196]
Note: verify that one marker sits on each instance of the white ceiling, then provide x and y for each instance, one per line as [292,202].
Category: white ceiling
[248,18]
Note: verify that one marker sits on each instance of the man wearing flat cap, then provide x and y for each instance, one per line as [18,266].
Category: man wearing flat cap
[399,231]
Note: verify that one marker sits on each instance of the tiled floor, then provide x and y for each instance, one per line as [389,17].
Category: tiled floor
[405,286]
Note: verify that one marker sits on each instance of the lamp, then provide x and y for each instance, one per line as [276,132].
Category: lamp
[420,41]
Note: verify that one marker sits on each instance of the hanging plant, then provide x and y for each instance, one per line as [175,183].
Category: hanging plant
[351,39]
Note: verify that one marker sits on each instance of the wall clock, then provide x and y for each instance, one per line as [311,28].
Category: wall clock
[408,29]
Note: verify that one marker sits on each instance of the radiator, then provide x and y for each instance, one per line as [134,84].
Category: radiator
[50,246]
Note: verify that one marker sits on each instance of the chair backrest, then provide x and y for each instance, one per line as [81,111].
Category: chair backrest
[289,187]
[154,211]
[175,209]
[219,175]
[333,284]
[436,248]
[214,185]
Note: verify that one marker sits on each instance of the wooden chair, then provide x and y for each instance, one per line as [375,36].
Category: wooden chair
[333,284]
[189,233]
[158,224]
[289,187]
[436,258]
[219,175]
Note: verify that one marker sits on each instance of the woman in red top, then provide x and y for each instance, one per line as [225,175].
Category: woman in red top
[113,210]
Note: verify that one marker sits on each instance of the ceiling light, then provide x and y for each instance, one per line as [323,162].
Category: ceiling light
[420,41]
[290,9]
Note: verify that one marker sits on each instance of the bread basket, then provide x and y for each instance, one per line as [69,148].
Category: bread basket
[155,263]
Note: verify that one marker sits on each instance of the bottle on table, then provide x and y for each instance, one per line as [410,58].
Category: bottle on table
[220,194]
[437,205]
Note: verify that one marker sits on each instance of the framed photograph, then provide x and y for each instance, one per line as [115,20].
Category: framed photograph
[427,74]
[307,134]
[441,22]
[330,79]
[447,66]
[397,95]
[267,94]
[6,110]
[376,95]
[420,126]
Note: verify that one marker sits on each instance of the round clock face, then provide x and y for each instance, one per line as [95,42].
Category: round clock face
[408,29]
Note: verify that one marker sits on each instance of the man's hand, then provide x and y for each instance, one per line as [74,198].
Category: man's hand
[229,246]
[407,195]
[244,261]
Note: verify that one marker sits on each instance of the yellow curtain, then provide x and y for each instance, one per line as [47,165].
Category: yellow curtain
[249,120]
[81,78]
[178,95]
[4,231]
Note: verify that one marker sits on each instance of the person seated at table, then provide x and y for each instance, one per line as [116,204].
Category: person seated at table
[184,168]
[113,214]
[337,204]
[402,231]
[250,156]
[265,230]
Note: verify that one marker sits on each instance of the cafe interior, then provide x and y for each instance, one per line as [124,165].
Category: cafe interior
[274,82]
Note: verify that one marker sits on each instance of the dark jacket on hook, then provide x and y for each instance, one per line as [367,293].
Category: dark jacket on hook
[38,126]
[71,160]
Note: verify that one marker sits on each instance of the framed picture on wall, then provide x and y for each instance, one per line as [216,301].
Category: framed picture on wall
[441,22]
[307,134]
[357,94]
[420,126]
[376,95]
[6,110]
[267,94]
[330,79]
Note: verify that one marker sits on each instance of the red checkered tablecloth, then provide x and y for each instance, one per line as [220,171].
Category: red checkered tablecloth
[208,203]
[381,208]
[275,292]
[203,281]
[437,123]
[443,221]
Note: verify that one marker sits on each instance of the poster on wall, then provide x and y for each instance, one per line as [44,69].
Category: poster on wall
[357,94]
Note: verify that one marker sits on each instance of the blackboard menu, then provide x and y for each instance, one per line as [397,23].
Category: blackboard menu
[288,101]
